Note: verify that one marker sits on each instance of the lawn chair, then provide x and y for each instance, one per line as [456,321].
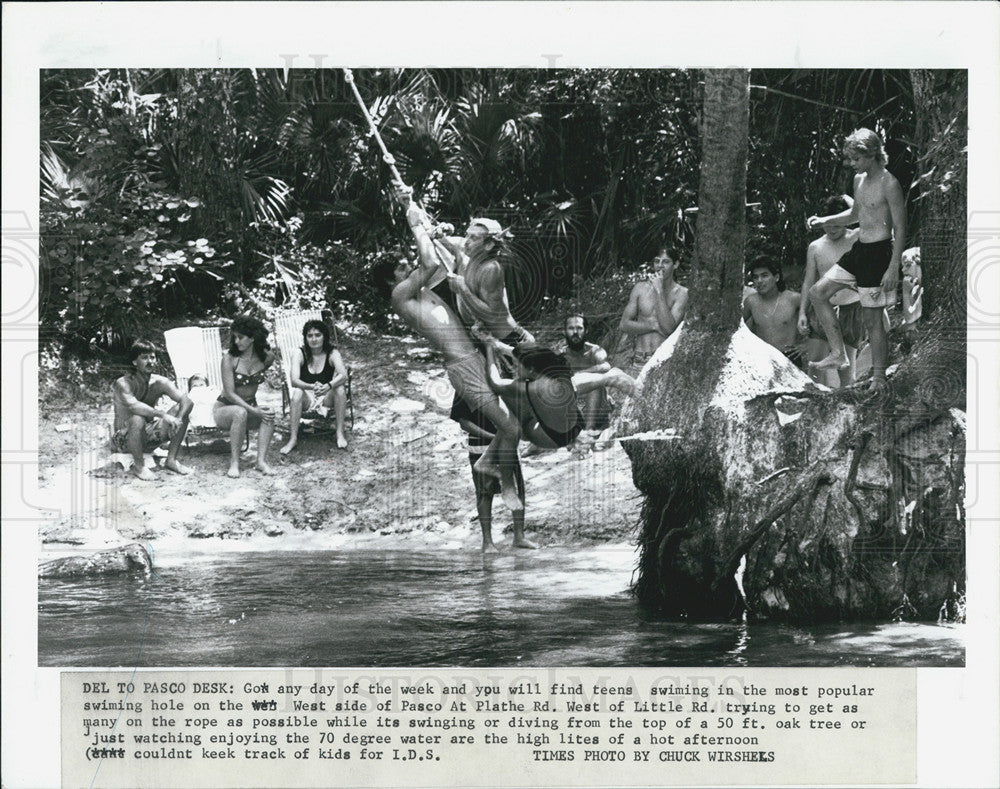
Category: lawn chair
[288,334]
[197,350]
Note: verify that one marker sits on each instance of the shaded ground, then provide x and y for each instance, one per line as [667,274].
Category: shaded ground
[404,477]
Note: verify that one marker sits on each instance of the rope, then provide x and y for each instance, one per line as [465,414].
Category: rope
[390,160]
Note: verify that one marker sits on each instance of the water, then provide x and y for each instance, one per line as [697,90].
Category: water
[555,607]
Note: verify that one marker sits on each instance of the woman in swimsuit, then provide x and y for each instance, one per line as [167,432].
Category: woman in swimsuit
[318,377]
[543,394]
[236,410]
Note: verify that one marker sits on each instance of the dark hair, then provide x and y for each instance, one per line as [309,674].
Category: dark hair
[250,327]
[138,348]
[382,273]
[543,360]
[323,329]
[834,204]
[576,315]
[763,261]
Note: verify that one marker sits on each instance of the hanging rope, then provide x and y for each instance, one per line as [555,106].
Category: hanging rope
[441,253]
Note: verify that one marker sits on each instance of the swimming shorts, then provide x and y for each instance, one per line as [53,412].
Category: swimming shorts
[468,376]
[863,267]
[155,433]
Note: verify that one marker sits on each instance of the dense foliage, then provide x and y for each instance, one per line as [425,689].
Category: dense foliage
[186,195]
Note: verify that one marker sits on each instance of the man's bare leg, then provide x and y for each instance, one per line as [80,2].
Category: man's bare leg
[819,295]
[872,317]
[484,508]
[136,429]
[520,541]
[171,463]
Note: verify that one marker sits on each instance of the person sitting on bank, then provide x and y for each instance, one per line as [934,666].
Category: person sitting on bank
[587,357]
[772,312]
[656,307]
[141,427]
[236,410]
[319,380]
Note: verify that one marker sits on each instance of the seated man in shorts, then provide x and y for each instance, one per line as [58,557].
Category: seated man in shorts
[872,265]
[822,255]
[139,426]
[587,357]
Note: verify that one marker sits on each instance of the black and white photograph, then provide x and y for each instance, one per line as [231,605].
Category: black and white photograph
[617,362]
[498,367]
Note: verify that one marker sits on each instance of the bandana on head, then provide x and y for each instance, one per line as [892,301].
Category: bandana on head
[493,229]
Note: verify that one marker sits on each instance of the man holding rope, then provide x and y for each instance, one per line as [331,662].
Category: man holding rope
[428,314]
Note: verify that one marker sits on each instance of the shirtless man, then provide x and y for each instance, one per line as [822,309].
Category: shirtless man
[426,313]
[821,256]
[478,282]
[587,357]
[140,426]
[771,312]
[872,265]
[655,309]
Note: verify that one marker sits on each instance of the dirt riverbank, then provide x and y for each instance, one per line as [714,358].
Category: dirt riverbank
[404,478]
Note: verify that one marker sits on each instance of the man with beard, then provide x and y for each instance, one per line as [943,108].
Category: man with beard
[587,357]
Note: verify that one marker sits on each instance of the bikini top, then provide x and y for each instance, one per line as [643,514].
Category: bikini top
[324,376]
[248,379]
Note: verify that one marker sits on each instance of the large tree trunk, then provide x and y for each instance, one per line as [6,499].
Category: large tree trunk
[764,493]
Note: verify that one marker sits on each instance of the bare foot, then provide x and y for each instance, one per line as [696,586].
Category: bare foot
[832,362]
[288,447]
[143,473]
[482,467]
[234,471]
[489,547]
[177,467]
[520,541]
[877,386]
[341,441]
[263,468]
[509,494]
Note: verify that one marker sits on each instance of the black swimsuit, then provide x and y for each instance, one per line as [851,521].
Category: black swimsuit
[324,376]
[241,380]
[561,439]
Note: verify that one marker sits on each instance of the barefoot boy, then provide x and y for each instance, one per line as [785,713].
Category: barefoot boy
[872,265]
[139,426]
[771,312]
[821,256]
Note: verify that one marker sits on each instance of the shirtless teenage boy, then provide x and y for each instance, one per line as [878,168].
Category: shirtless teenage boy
[478,282]
[771,312]
[655,309]
[427,313]
[821,256]
[872,265]
[139,426]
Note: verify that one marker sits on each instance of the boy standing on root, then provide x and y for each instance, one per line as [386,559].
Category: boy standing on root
[771,312]
[139,426]
[821,256]
[426,313]
[872,264]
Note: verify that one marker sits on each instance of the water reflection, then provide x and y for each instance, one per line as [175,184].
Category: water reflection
[421,608]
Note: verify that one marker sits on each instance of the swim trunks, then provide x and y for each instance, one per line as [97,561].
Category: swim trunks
[560,438]
[155,433]
[863,267]
[468,376]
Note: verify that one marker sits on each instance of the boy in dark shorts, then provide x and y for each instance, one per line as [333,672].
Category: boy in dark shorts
[480,431]
[872,265]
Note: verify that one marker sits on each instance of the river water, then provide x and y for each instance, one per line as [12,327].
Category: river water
[553,607]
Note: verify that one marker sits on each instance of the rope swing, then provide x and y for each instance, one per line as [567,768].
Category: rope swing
[390,160]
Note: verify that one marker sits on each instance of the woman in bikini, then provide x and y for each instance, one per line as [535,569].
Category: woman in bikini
[543,394]
[318,376]
[236,410]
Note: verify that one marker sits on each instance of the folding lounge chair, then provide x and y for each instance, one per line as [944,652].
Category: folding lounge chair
[197,350]
[288,333]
